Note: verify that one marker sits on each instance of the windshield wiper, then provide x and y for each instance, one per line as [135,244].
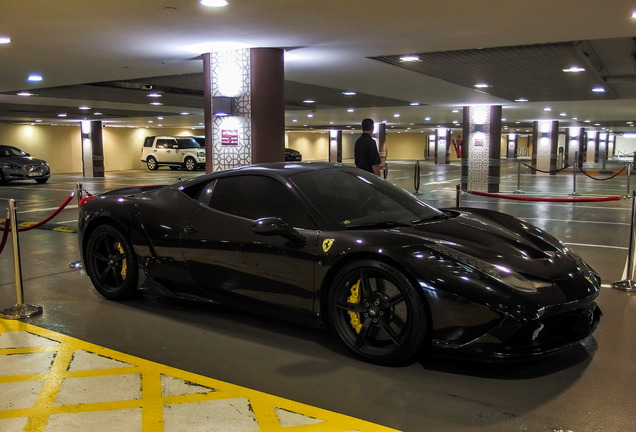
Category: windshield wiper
[379,224]
[431,218]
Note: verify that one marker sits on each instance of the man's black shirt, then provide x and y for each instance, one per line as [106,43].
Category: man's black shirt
[365,152]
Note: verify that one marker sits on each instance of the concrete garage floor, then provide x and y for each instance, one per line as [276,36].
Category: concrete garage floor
[589,388]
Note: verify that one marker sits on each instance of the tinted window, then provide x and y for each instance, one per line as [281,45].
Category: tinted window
[187,143]
[350,197]
[254,197]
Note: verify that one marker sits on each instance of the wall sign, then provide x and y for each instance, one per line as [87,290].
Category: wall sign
[229,137]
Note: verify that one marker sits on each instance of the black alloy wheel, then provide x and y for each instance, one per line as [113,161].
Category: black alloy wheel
[151,163]
[111,263]
[377,313]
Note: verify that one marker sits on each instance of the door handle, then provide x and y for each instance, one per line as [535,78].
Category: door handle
[190,229]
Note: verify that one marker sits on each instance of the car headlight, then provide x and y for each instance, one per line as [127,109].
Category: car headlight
[501,273]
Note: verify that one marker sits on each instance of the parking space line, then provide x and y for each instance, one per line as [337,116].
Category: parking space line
[53,382]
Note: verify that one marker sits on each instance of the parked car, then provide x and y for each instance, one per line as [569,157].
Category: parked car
[292,155]
[335,245]
[16,164]
[173,151]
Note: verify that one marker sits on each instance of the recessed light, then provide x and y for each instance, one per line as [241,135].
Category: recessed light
[5,40]
[414,104]
[214,3]
[574,69]
[349,93]
[309,101]
[482,85]
[24,93]
[84,108]
[521,100]
[154,95]
[598,89]
[34,78]
[410,58]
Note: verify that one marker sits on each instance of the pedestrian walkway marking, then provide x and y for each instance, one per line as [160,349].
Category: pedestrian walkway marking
[50,382]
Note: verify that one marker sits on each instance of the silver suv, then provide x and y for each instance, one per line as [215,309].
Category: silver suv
[173,151]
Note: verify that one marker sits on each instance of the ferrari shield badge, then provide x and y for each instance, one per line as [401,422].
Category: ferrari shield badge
[326,245]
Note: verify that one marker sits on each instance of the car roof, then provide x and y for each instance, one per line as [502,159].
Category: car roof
[286,169]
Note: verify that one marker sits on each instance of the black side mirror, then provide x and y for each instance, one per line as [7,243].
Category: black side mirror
[277,226]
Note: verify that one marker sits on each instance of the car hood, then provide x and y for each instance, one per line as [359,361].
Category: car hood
[501,240]
[20,160]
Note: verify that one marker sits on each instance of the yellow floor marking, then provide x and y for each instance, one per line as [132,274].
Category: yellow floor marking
[108,390]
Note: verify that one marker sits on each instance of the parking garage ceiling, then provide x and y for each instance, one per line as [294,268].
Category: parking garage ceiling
[107,58]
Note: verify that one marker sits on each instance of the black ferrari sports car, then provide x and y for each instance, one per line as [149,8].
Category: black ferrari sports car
[332,244]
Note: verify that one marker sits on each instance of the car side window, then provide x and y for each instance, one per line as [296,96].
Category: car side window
[254,197]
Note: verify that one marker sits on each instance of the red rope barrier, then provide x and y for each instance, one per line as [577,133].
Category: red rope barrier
[522,198]
[600,179]
[39,224]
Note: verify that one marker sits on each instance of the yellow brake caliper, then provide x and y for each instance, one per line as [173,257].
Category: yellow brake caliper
[355,298]
[124,265]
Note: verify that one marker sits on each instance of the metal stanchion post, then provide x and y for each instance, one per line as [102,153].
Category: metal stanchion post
[458,197]
[416,178]
[629,176]
[519,191]
[20,310]
[574,192]
[628,284]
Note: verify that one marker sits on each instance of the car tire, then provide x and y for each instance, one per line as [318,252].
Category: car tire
[189,164]
[111,263]
[377,313]
[151,163]
[42,180]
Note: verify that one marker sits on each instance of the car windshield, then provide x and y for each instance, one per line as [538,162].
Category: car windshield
[11,151]
[188,143]
[352,198]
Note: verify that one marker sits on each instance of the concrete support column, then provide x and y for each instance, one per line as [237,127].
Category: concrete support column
[546,139]
[442,141]
[244,107]
[92,149]
[574,145]
[481,164]
[381,137]
[511,146]
[335,146]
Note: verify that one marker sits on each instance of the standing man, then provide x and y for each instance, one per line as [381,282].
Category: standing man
[365,151]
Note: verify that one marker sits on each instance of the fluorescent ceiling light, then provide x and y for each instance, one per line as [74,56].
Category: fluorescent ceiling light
[34,78]
[410,58]
[5,40]
[214,3]
[598,89]
[24,93]
[521,100]
[574,69]
[482,85]
[349,93]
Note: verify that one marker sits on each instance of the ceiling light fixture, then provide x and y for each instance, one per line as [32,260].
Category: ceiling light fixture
[599,89]
[482,85]
[574,69]
[410,58]
[349,93]
[24,93]
[214,3]
[5,40]
[34,78]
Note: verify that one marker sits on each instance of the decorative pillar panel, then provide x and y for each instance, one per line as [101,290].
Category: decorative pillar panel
[546,140]
[602,147]
[92,149]
[481,165]
[442,140]
[335,146]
